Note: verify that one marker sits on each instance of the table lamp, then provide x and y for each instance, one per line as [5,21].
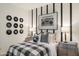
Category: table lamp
[32,30]
[65,30]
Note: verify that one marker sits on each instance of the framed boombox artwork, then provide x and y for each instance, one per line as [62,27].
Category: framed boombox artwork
[48,21]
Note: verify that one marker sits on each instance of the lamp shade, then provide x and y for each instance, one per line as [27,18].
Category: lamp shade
[65,29]
[32,29]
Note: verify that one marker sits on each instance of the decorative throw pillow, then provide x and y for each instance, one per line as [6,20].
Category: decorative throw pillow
[44,38]
[35,38]
[51,38]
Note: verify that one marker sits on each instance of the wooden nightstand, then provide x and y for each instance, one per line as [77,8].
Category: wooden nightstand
[67,49]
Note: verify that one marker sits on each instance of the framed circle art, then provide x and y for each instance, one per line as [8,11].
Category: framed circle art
[15,19]
[15,31]
[9,25]
[21,19]
[21,25]
[9,17]
[15,25]
[8,32]
[21,31]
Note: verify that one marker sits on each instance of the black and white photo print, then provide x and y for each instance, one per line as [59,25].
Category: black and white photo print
[48,21]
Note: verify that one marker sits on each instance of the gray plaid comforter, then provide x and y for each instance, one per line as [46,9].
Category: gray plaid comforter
[28,49]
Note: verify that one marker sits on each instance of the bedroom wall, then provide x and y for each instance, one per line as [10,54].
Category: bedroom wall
[65,18]
[75,22]
[19,10]
[5,9]
[7,40]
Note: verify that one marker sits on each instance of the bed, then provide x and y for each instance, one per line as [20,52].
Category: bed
[32,49]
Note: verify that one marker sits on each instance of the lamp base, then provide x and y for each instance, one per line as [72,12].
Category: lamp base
[65,38]
[65,42]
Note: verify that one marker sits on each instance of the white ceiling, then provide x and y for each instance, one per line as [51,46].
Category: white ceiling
[24,5]
[30,5]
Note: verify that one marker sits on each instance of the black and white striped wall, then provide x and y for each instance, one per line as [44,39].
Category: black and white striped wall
[64,17]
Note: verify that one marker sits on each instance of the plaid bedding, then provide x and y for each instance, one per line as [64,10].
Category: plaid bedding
[28,49]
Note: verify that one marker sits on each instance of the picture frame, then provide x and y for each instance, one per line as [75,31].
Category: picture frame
[15,19]
[9,17]
[8,25]
[15,25]
[48,21]
[21,19]
[21,25]
[21,31]
[8,32]
[15,31]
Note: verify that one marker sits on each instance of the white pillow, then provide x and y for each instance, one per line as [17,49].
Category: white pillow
[51,38]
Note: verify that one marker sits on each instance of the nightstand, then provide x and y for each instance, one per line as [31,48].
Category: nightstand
[67,49]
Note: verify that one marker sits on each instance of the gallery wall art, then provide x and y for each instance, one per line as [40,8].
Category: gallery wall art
[18,23]
[9,17]
[48,21]
[15,19]
[8,32]
[21,19]
[8,24]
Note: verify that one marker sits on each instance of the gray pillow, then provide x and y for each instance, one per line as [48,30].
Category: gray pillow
[44,38]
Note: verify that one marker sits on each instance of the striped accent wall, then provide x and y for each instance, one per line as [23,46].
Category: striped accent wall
[61,17]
